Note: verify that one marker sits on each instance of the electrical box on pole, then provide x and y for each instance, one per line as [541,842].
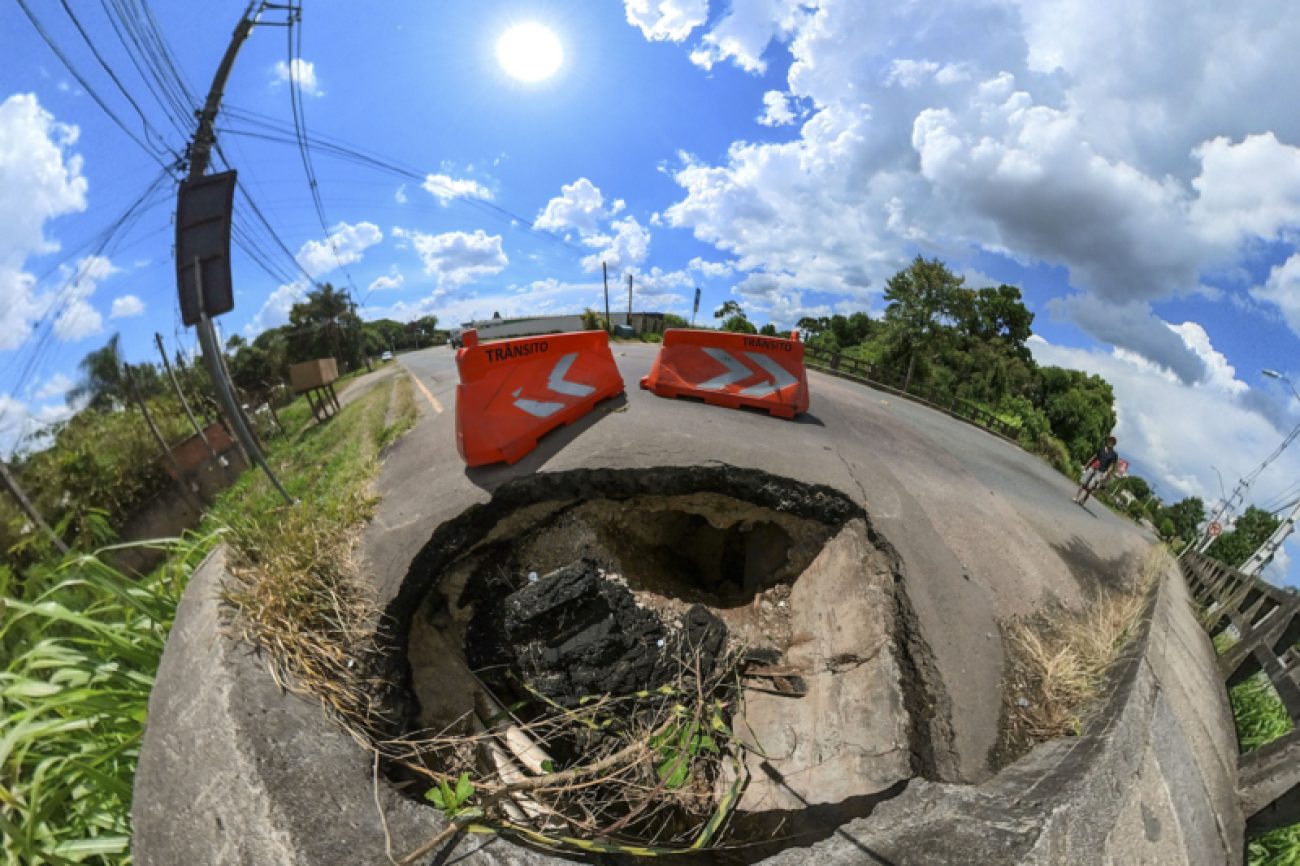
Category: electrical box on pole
[203,212]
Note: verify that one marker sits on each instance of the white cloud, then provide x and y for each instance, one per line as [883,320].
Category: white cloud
[910,74]
[42,180]
[580,205]
[125,307]
[400,195]
[711,269]
[628,246]
[303,73]
[275,309]
[1120,142]
[77,322]
[777,109]
[1177,431]
[672,20]
[56,386]
[18,420]
[457,258]
[446,188]
[1246,190]
[1282,290]
[344,245]
[391,280]
[744,32]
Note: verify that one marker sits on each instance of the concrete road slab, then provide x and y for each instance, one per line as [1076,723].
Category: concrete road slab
[985,531]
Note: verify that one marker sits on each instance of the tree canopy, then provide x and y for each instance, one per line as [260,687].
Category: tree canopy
[1250,531]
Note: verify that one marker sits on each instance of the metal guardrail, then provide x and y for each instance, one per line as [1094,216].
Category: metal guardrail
[1266,620]
[848,367]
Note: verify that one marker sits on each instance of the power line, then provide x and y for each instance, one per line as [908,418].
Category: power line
[85,85]
[67,294]
[148,127]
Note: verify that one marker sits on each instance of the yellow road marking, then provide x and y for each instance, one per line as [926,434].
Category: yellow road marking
[428,395]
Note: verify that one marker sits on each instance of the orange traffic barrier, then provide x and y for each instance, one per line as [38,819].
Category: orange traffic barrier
[732,370]
[513,392]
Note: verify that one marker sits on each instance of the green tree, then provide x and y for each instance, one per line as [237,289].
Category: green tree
[919,298]
[1135,484]
[1079,407]
[103,383]
[727,310]
[1187,515]
[768,330]
[1250,531]
[325,325]
[672,320]
[738,324]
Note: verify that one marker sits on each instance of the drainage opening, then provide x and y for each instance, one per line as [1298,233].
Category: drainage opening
[658,661]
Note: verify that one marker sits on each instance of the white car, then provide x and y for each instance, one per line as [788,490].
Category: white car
[387,356]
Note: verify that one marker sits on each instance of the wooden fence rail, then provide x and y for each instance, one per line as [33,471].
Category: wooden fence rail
[1266,621]
[849,367]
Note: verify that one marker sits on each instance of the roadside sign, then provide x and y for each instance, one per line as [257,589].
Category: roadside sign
[1215,529]
[697,302]
[203,210]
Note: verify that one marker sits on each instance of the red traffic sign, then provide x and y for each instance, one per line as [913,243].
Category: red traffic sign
[1215,529]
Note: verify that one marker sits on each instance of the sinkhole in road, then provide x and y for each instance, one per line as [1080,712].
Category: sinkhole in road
[672,657]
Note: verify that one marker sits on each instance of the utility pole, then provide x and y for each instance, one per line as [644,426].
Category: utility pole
[200,154]
[185,404]
[11,484]
[604,273]
[629,300]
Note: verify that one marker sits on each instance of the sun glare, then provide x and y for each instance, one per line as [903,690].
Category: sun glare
[529,52]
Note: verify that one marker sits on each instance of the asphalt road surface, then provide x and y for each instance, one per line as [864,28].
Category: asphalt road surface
[985,531]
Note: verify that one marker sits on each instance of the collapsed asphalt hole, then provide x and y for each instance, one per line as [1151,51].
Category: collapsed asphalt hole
[724,645]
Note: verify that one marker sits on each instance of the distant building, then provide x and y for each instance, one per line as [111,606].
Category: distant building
[533,326]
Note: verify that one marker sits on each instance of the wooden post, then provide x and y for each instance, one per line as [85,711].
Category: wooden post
[181,394]
[158,437]
[25,504]
[604,274]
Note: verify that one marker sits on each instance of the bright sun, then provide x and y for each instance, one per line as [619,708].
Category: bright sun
[529,52]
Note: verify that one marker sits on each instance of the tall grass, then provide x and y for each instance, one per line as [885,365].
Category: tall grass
[1261,718]
[80,643]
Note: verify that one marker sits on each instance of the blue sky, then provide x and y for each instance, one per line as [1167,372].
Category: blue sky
[1134,167]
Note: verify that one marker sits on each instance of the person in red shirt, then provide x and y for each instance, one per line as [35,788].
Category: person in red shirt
[1098,471]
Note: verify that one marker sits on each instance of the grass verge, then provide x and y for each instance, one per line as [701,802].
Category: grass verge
[1058,665]
[80,642]
[295,590]
[1261,717]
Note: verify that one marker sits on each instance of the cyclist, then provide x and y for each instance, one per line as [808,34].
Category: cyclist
[1098,471]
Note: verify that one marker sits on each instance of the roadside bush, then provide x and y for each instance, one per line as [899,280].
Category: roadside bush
[80,644]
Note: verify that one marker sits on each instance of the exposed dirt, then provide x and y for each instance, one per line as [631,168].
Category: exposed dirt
[581,583]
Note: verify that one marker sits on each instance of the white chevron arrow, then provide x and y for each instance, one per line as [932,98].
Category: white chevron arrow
[558,384]
[781,377]
[735,370]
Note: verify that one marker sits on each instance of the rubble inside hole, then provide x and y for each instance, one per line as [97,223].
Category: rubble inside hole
[564,602]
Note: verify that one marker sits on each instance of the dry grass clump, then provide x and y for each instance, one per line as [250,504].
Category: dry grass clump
[656,772]
[295,591]
[1059,663]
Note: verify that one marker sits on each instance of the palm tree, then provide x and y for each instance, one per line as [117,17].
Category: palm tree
[102,385]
